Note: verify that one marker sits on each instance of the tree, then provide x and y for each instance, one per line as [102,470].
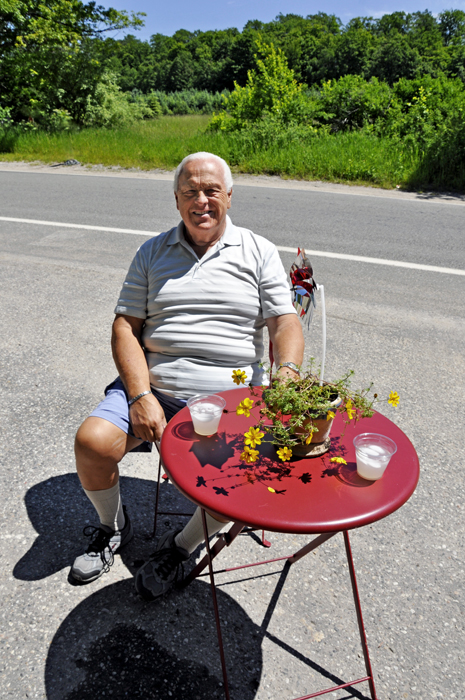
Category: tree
[452,27]
[181,73]
[42,44]
[393,58]
[61,23]
[271,90]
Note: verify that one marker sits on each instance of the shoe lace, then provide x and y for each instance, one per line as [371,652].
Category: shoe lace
[100,544]
[167,561]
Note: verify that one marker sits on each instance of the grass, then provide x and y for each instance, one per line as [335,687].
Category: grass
[355,157]
[158,143]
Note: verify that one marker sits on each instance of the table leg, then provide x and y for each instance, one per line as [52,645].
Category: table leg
[224,540]
[311,546]
[358,608]
[215,606]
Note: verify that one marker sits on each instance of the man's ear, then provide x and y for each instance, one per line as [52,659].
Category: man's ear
[176,198]
[229,198]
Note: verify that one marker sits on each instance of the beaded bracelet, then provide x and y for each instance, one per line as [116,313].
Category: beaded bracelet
[291,365]
[139,396]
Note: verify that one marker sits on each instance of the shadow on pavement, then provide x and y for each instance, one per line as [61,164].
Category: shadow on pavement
[58,509]
[115,645]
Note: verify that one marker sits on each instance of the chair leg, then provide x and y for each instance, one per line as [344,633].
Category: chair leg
[157,497]
[265,542]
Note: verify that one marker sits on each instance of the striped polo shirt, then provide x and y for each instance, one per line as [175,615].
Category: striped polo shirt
[204,317]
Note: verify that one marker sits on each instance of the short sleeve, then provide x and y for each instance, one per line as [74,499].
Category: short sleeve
[133,296]
[275,294]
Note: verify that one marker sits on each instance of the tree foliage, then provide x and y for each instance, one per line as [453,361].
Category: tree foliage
[271,91]
[399,76]
[50,54]
[317,47]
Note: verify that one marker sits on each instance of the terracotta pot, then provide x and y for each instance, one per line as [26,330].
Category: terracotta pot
[320,442]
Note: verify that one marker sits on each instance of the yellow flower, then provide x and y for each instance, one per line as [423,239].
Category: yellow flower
[339,460]
[309,438]
[393,398]
[253,437]
[330,415]
[270,489]
[244,407]
[239,376]
[350,409]
[284,453]
[249,456]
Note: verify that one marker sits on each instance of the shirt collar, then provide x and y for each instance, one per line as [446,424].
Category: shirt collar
[231,235]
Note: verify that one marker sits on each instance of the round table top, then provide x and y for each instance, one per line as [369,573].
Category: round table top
[311,495]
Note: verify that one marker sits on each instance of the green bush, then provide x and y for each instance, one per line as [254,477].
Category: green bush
[109,106]
[5,117]
[351,103]
[271,91]
[443,163]
[8,139]
[425,107]
[154,104]
[189,101]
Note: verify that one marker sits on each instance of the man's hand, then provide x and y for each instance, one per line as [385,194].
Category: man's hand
[146,415]
[147,418]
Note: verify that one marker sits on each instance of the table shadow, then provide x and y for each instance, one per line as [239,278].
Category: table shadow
[115,645]
[332,678]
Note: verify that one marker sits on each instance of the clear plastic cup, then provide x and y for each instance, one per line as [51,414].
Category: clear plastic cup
[373,453]
[206,411]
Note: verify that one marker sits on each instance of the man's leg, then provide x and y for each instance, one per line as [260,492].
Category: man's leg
[192,535]
[99,447]
[160,572]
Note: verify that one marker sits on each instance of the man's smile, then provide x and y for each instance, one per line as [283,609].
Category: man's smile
[209,212]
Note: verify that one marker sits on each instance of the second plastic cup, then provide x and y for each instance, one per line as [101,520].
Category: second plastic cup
[373,453]
[206,412]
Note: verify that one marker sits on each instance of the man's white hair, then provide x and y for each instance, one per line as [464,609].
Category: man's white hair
[228,181]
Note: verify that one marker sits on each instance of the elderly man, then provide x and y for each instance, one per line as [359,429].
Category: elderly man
[192,309]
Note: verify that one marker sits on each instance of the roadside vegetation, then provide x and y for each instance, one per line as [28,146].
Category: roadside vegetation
[375,101]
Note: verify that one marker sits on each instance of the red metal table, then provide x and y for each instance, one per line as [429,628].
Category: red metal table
[309,495]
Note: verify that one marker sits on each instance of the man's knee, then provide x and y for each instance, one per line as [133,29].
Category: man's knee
[99,439]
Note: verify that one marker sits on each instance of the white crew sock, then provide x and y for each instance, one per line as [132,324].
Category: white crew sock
[108,505]
[192,535]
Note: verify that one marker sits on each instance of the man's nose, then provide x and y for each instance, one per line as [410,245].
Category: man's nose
[201,197]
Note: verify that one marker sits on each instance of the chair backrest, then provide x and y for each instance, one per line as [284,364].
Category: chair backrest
[303,288]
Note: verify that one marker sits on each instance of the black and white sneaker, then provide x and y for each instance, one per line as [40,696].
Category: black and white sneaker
[160,572]
[99,555]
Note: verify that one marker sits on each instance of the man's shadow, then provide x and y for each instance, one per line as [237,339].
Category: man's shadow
[58,509]
[115,645]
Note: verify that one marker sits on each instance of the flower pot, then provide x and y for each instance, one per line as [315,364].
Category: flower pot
[320,442]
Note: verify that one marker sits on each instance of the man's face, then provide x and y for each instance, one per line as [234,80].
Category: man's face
[202,200]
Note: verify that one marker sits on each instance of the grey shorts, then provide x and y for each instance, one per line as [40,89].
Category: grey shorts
[114,408]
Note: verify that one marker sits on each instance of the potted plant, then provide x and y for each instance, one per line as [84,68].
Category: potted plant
[297,413]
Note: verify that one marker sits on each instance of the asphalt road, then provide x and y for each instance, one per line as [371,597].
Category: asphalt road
[402,328]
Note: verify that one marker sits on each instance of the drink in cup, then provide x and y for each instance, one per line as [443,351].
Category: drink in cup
[373,453]
[206,412]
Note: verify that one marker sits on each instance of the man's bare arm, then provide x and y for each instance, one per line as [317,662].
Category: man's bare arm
[288,341]
[146,415]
